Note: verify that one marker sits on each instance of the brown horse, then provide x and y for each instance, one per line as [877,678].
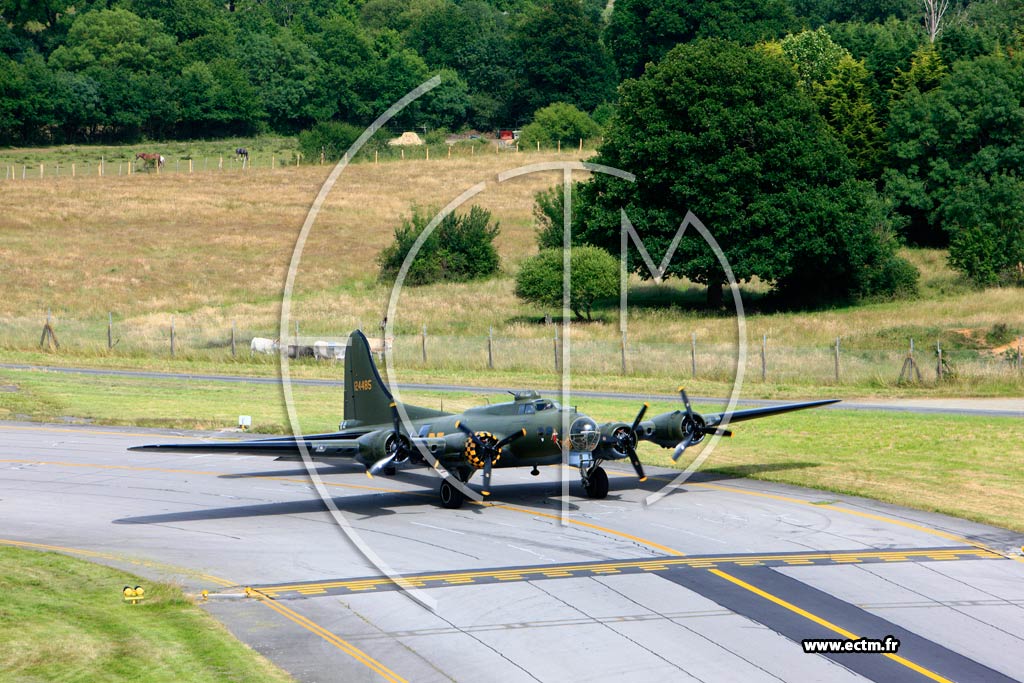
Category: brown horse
[150,158]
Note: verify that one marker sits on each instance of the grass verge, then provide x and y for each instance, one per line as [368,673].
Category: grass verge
[63,619]
[905,459]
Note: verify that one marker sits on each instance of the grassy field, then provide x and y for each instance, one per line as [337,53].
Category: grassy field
[213,254]
[913,460]
[63,619]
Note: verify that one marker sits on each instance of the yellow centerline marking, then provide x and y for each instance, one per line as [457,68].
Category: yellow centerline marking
[827,624]
[290,614]
[331,638]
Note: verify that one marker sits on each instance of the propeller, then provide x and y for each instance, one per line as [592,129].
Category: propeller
[694,427]
[625,442]
[489,450]
[399,448]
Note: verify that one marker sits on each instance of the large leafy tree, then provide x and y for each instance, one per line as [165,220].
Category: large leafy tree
[971,126]
[474,39]
[642,31]
[722,130]
[561,58]
[985,219]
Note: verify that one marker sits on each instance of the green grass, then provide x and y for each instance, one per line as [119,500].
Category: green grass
[64,619]
[906,459]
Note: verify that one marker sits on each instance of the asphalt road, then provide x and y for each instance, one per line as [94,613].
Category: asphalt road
[719,581]
[999,407]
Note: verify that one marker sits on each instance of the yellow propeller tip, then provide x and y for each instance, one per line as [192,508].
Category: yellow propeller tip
[457,424]
[392,404]
[486,493]
[643,478]
[681,388]
[646,404]
[368,475]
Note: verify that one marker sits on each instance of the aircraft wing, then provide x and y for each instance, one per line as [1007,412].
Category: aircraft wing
[318,446]
[714,419]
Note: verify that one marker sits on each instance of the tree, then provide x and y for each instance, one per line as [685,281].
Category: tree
[723,131]
[643,31]
[846,105]
[985,220]
[474,39]
[558,122]
[925,73]
[549,217]
[594,276]
[460,248]
[563,58]
[972,126]
[885,48]
[814,54]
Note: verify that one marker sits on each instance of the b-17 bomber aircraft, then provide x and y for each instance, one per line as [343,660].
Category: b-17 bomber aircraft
[525,432]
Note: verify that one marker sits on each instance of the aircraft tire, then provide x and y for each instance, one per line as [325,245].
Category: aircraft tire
[597,484]
[451,497]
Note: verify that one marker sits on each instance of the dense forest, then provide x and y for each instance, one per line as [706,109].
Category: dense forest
[909,110]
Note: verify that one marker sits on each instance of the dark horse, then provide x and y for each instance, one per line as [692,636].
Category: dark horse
[242,152]
[150,158]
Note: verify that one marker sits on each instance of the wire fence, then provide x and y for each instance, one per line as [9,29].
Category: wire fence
[692,357]
[126,164]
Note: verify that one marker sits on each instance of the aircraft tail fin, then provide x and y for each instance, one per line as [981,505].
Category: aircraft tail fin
[367,398]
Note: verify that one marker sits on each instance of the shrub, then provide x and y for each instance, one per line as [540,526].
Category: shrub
[460,248]
[332,137]
[558,122]
[595,276]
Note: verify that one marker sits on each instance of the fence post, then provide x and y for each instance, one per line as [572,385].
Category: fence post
[938,363]
[623,350]
[190,165]
[1019,352]
[102,163]
[837,360]
[172,336]
[423,343]
[764,364]
[23,171]
[376,152]
[490,347]
[110,330]
[581,144]
[559,151]
[40,170]
[556,348]
[72,169]
[693,354]
[538,145]
[428,151]
[403,154]
[232,338]
[449,151]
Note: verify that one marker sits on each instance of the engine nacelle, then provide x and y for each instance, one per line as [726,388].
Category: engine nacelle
[668,429]
[610,432]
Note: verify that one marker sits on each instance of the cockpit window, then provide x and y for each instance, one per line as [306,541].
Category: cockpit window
[544,404]
[526,409]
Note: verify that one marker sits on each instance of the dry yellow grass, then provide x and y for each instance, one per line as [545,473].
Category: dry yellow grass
[214,247]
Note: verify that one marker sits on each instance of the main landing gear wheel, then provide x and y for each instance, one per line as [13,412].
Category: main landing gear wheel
[451,497]
[596,484]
